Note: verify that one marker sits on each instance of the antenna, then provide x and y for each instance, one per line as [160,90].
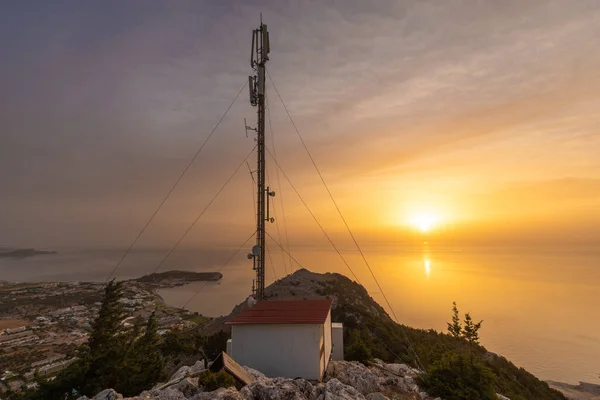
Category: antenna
[259,55]
[249,128]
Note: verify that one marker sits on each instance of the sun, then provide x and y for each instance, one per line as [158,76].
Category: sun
[424,221]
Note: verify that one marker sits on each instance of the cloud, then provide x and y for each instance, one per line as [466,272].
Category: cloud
[103,106]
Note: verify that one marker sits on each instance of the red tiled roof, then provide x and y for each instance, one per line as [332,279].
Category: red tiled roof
[284,312]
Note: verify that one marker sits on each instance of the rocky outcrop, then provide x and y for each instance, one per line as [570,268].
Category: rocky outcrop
[380,378]
[343,381]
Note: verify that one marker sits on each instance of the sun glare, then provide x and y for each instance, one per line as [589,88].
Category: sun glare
[427,264]
[424,221]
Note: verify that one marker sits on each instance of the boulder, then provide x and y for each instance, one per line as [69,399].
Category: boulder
[411,384]
[187,370]
[188,387]
[336,390]
[355,374]
[402,369]
[108,394]
[219,394]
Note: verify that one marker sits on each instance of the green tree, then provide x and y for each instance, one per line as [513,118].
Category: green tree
[455,327]
[108,342]
[358,350]
[471,332]
[176,342]
[149,345]
[143,363]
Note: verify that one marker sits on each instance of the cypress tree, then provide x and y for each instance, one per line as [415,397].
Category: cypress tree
[107,342]
[455,327]
[471,332]
[143,364]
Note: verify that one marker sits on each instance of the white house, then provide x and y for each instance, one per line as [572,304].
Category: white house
[284,338]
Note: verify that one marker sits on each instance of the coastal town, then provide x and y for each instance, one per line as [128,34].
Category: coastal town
[43,324]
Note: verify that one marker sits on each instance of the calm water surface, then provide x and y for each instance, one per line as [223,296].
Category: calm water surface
[541,307]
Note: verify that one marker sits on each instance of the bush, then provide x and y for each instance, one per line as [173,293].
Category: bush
[358,350]
[212,381]
[459,377]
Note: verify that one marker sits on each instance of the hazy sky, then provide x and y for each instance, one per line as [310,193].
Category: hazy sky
[483,116]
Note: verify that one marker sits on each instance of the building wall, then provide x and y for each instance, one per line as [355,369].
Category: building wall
[337,340]
[327,332]
[278,350]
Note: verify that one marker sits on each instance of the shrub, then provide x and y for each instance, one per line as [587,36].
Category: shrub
[458,377]
[212,381]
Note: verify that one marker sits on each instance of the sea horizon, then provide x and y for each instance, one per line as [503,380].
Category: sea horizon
[522,296]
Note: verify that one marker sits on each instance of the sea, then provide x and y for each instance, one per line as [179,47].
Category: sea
[540,306]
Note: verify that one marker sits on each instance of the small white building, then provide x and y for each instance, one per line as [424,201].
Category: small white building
[284,338]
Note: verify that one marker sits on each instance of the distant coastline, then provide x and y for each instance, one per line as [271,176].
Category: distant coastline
[583,391]
[24,253]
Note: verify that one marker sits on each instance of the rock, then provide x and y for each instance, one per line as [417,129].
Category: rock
[377,396]
[108,394]
[279,389]
[219,394]
[402,369]
[336,390]
[188,387]
[354,374]
[256,374]
[382,378]
[166,394]
[411,384]
[187,370]
[169,394]
[344,380]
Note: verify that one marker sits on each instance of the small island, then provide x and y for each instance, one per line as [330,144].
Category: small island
[178,278]
[24,253]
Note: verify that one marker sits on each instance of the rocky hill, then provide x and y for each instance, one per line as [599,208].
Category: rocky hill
[387,340]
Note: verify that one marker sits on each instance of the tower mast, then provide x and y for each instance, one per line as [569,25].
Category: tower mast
[256,84]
